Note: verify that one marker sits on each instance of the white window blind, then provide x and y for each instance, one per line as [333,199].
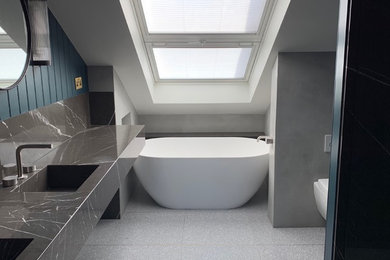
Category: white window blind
[203,16]
[201,63]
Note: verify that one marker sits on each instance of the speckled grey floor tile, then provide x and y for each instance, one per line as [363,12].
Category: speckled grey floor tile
[217,228]
[140,229]
[130,253]
[294,252]
[265,234]
[148,231]
[220,253]
[142,202]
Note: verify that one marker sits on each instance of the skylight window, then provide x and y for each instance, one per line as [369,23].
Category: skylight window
[189,40]
[201,63]
[202,16]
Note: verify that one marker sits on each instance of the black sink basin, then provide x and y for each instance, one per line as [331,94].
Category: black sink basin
[10,248]
[58,178]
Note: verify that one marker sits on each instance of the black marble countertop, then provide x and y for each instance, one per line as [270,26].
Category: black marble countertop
[42,216]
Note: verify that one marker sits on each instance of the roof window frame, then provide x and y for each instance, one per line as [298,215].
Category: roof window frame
[197,40]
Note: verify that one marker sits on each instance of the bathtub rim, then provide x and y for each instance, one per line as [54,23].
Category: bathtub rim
[211,158]
[208,157]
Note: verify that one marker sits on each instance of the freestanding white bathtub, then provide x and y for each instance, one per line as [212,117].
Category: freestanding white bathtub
[202,172]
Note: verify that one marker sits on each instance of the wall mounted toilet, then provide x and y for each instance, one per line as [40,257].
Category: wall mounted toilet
[321,195]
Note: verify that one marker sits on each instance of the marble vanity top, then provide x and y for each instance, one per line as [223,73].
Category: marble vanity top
[45,216]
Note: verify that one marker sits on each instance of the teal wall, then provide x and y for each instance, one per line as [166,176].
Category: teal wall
[44,85]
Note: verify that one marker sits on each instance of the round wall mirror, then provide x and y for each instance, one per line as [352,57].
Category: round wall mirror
[14,42]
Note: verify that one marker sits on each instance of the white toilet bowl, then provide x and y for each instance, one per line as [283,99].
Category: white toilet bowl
[321,195]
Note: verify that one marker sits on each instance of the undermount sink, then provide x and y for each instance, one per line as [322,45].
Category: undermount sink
[11,248]
[58,178]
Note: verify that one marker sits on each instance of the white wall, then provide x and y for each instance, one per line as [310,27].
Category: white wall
[270,130]
[202,123]
[12,21]
[123,104]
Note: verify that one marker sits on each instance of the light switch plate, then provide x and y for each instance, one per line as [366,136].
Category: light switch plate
[327,143]
[79,83]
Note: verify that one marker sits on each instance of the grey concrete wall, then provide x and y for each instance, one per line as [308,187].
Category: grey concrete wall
[101,95]
[202,123]
[100,78]
[105,81]
[267,123]
[102,81]
[304,101]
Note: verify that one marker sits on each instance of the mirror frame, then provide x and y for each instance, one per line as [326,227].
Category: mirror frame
[28,58]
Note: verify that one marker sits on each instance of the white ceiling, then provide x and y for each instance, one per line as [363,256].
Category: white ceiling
[99,32]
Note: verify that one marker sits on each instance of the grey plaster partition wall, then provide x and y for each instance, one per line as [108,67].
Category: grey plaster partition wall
[100,78]
[267,122]
[202,123]
[109,104]
[304,102]
[109,100]
[101,98]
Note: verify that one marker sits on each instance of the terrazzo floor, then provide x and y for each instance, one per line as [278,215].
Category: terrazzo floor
[147,231]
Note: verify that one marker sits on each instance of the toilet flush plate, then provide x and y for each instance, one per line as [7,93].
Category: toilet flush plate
[327,143]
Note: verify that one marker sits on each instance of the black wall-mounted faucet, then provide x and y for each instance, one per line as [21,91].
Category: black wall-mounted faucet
[19,158]
[266,139]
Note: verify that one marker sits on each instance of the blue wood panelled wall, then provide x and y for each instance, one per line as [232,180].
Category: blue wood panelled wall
[44,85]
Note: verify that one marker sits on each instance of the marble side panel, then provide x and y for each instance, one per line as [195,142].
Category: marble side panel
[39,216]
[54,124]
[95,145]
[72,237]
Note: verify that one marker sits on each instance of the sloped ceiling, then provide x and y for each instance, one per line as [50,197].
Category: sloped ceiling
[100,34]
